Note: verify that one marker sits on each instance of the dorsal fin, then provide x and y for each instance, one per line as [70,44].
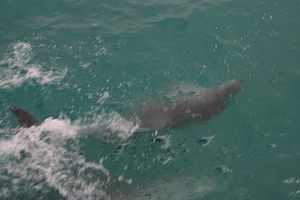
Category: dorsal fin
[25,119]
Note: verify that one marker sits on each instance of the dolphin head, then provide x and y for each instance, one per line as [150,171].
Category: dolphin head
[230,87]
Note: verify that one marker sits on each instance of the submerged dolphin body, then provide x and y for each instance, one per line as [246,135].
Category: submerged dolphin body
[25,119]
[201,106]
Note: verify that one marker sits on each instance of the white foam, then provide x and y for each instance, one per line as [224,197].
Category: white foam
[16,68]
[57,125]
[103,98]
[47,156]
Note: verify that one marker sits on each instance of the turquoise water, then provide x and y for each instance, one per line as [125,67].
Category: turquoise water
[81,66]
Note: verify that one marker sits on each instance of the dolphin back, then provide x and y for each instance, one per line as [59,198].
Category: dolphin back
[25,119]
[204,105]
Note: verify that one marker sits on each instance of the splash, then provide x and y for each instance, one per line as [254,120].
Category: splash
[110,127]
[46,158]
[17,67]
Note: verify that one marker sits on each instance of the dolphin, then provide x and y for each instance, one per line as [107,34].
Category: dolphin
[201,106]
[25,119]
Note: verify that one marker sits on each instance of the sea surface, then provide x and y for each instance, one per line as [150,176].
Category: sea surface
[81,67]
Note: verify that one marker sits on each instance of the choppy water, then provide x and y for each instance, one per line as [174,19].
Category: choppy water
[81,66]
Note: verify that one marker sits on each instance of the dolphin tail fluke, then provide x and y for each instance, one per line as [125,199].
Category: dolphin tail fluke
[25,119]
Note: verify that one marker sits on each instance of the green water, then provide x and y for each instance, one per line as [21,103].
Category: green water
[82,66]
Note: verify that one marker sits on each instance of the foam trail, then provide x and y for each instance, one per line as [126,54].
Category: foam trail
[47,156]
